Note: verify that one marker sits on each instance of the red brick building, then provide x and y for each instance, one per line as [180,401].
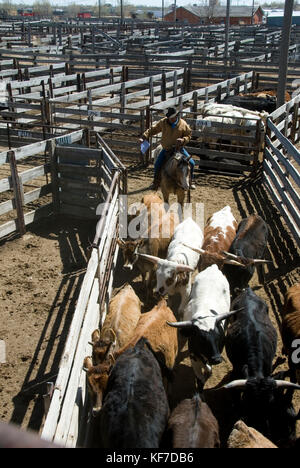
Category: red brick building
[84,15]
[216,14]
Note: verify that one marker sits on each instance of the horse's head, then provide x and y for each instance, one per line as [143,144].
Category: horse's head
[178,169]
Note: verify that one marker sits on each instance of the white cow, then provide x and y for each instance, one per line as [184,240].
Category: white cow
[208,306]
[227,114]
[173,275]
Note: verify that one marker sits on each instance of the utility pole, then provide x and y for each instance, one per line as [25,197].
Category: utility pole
[227,26]
[175,13]
[284,51]
[252,15]
[162,9]
[122,13]
[99,6]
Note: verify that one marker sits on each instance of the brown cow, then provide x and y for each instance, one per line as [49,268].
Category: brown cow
[124,311]
[219,232]
[243,436]
[161,226]
[162,339]
[270,92]
[193,425]
[153,326]
[290,330]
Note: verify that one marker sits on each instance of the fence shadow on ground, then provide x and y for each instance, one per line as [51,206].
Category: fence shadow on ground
[74,237]
[251,196]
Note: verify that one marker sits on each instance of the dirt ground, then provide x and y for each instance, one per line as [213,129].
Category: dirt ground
[41,274]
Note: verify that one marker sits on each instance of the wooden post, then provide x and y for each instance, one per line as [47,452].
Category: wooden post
[8,136]
[148,124]
[163,87]
[195,107]
[175,83]
[142,121]
[17,192]
[294,122]
[237,87]
[151,91]
[51,145]
[253,81]
[122,99]
[219,93]
[189,75]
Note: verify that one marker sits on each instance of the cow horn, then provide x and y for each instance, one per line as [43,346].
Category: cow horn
[199,251]
[284,384]
[120,242]
[227,314]
[185,324]
[253,261]
[230,255]
[235,384]
[228,261]
[151,258]
[259,261]
[187,268]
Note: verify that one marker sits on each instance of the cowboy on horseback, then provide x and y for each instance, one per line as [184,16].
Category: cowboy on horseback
[174,132]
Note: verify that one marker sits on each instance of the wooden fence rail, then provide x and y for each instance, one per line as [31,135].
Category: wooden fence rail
[67,421]
[281,173]
[12,187]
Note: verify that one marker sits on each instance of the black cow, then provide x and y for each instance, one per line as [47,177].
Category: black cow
[251,342]
[135,409]
[248,247]
[254,103]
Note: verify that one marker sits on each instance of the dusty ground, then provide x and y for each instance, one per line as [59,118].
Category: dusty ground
[40,277]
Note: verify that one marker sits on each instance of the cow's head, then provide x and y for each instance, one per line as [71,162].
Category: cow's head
[97,378]
[178,168]
[206,336]
[266,408]
[103,344]
[167,274]
[130,249]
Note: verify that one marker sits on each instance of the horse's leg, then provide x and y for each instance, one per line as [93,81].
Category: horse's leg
[165,192]
[180,198]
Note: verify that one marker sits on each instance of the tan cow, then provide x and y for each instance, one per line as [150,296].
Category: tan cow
[243,436]
[161,226]
[124,311]
[162,339]
[153,326]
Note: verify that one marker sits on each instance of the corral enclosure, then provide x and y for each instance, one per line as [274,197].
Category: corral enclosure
[68,126]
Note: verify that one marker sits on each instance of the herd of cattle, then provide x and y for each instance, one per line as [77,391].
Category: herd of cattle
[130,372]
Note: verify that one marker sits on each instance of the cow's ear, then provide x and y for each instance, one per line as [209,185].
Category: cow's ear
[121,243]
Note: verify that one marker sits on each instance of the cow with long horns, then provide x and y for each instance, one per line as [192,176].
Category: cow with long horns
[204,316]
[173,275]
[251,342]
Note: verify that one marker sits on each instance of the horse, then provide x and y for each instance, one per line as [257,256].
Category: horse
[175,176]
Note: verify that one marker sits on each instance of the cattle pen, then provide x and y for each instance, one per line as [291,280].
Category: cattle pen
[66,418]
[70,125]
